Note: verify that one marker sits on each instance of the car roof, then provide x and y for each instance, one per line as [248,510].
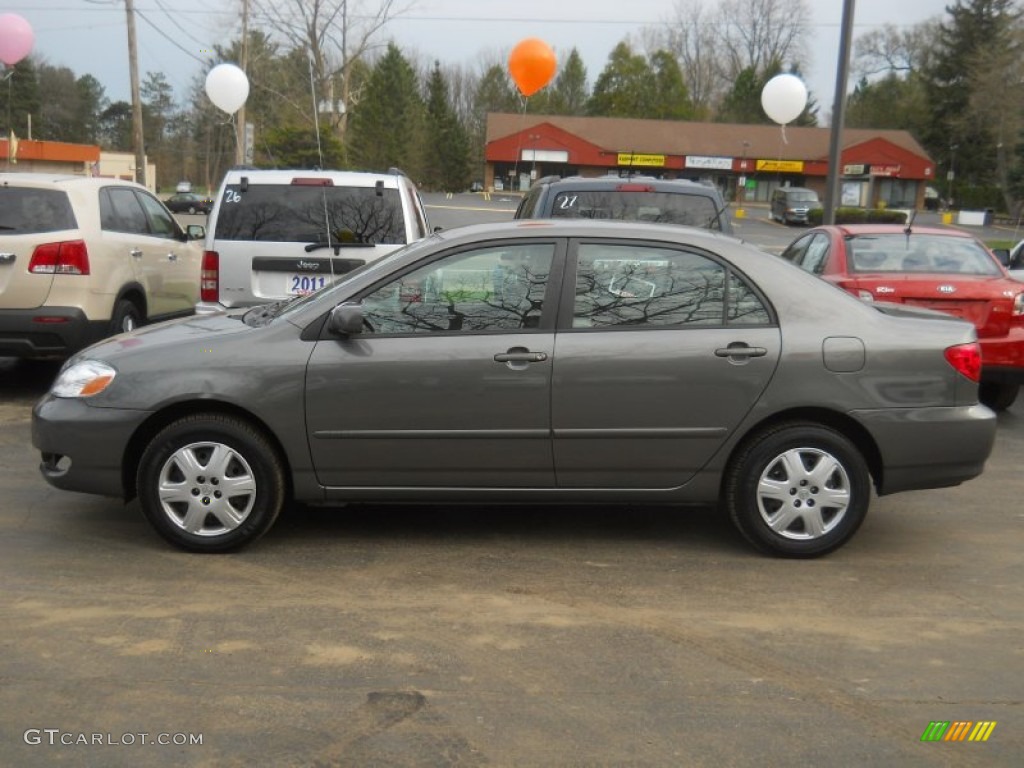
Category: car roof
[390,178]
[892,229]
[611,182]
[579,228]
[62,180]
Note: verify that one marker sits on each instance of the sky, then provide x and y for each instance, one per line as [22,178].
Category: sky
[175,36]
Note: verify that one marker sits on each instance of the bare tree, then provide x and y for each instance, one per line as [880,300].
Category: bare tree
[337,35]
[755,33]
[715,43]
[890,50]
[690,35]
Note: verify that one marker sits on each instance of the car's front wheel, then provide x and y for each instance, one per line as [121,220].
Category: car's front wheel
[211,483]
[798,490]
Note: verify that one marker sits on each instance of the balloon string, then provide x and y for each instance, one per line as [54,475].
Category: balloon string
[784,139]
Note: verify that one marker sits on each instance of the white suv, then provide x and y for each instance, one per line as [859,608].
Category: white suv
[82,258]
[277,234]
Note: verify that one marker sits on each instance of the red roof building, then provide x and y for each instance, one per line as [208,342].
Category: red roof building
[746,162]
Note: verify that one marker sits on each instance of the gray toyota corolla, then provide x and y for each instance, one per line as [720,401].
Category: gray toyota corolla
[538,362]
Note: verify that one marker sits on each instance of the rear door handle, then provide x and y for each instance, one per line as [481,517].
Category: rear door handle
[136,253]
[172,257]
[740,349]
[523,356]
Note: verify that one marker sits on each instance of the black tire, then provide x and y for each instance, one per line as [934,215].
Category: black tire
[126,317]
[781,498]
[192,209]
[998,395]
[183,474]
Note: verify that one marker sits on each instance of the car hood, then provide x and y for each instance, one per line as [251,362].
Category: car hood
[163,338]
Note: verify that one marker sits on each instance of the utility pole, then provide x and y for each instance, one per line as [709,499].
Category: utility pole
[835,147]
[133,73]
[240,131]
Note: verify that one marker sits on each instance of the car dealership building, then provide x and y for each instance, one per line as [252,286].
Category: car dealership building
[746,162]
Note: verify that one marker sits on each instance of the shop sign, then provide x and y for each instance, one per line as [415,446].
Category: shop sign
[858,169]
[631,159]
[885,170]
[782,166]
[712,163]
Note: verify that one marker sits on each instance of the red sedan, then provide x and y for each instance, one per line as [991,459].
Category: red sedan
[941,269]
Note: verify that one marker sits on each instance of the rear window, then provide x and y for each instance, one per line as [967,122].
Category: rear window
[311,214]
[26,211]
[664,207]
[920,253]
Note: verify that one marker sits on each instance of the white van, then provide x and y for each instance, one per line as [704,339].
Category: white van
[274,234]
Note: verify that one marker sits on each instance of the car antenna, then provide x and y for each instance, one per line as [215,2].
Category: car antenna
[320,155]
[910,221]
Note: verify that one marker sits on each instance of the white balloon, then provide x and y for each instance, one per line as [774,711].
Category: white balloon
[228,87]
[784,98]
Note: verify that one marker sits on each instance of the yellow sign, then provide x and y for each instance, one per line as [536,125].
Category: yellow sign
[783,166]
[628,158]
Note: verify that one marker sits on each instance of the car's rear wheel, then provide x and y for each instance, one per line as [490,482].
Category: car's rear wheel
[998,395]
[211,483]
[192,209]
[126,317]
[798,490]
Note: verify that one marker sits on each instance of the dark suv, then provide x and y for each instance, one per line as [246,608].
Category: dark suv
[639,198]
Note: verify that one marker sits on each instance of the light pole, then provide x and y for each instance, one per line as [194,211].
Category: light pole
[951,175]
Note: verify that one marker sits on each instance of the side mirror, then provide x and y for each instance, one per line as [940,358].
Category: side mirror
[195,231]
[1003,254]
[346,320]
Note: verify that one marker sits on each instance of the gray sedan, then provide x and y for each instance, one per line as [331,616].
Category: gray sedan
[548,362]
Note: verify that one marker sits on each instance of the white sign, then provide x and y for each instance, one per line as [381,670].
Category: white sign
[711,163]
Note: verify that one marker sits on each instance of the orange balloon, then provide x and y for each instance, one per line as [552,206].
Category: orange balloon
[532,65]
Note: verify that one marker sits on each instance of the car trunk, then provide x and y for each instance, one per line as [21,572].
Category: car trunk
[969,300]
[19,288]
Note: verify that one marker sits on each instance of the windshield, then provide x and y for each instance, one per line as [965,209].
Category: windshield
[297,213]
[803,197]
[920,253]
[665,207]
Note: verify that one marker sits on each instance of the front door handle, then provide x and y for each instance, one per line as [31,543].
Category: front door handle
[136,253]
[172,257]
[740,349]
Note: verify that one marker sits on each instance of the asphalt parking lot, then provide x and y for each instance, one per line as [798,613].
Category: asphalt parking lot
[465,636]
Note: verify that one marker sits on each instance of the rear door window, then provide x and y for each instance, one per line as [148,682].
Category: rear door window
[311,214]
[120,211]
[26,211]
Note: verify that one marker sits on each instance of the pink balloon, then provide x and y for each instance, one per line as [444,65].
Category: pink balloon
[16,38]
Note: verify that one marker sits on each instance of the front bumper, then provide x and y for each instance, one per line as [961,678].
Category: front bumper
[83,447]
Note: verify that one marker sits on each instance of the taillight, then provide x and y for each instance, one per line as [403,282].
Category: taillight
[209,277]
[966,358]
[69,257]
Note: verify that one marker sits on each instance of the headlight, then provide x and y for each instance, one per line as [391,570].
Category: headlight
[84,379]
[1018,305]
